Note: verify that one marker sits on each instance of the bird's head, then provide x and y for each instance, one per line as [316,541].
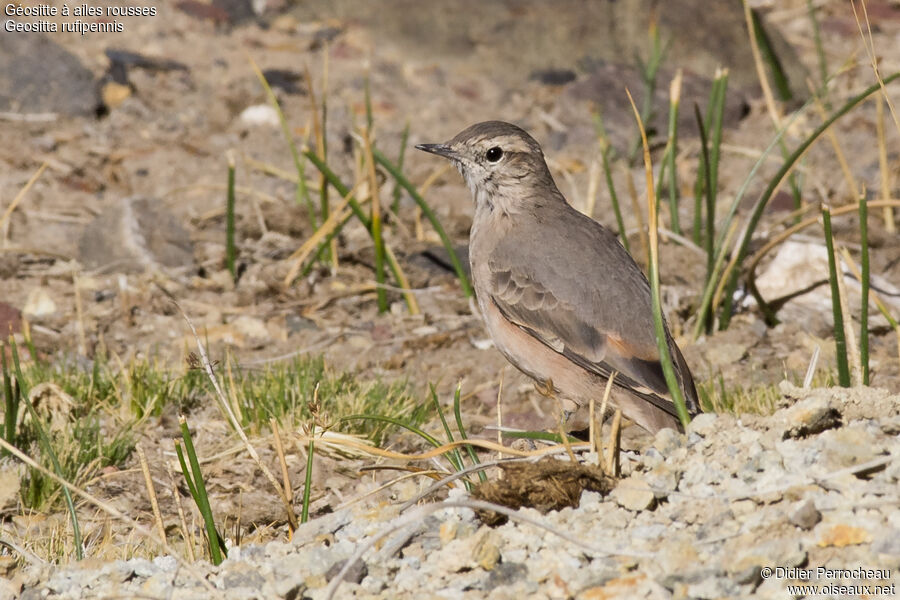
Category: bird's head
[500,162]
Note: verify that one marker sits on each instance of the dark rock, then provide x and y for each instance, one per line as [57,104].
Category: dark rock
[38,76]
[243,578]
[238,11]
[805,515]
[129,59]
[809,416]
[553,76]
[135,234]
[506,574]
[285,80]
[354,574]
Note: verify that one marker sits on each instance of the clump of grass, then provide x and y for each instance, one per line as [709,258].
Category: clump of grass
[716,396]
[77,439]
[283,391]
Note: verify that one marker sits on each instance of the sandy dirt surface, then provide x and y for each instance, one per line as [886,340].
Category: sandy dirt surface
[187,99]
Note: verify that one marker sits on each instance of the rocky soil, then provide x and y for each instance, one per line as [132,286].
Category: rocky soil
[736,508]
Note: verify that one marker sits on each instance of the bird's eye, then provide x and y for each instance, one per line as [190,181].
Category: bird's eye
[494,154]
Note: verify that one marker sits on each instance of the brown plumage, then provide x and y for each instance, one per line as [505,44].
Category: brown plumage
[561,298]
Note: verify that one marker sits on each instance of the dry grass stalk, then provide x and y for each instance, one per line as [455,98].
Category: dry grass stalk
[335,219]
[839,153]
[869,43]
[9,209]
[185,532]
[883,168]
[638,215]
[279,449]
[596,432]
[760,68]
[151,493]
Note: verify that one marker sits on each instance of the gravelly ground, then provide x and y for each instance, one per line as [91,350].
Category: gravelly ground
[702,515]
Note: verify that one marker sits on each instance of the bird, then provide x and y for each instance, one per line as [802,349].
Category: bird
[560,296]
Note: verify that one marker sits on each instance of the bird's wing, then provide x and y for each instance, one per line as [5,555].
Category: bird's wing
[586,299]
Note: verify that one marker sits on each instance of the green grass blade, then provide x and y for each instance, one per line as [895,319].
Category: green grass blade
[214,540]
[710,194]
[188,479]
[454,456]
[864,306]
[429,214]
[339,186]
[401,157]
[383,419]
[45,443]
[376,232]
[605,149]
[668,164]
[473,456]
[230,248]
[358,212]
[370,120]
[380,291]
[307,485]
[715,129]
[11,399]
[822,60]
[840,341]
[771,59]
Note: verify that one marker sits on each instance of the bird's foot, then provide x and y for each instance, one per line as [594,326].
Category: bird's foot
[545,388]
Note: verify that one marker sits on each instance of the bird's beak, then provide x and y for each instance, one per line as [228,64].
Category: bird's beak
[440,149]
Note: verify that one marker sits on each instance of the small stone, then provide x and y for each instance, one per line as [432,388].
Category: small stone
[719,587]
[842,534]
[888,543]
[667,441]
[663,479]
[486,552]
[136,234]
[677,557]
[260,115]
[741,562]
[804,514]
[354,574]
[703,424]
[251,327]
[505,574]
[448,531]
[39,304]
[808,417]
[634,493]
[242,576]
